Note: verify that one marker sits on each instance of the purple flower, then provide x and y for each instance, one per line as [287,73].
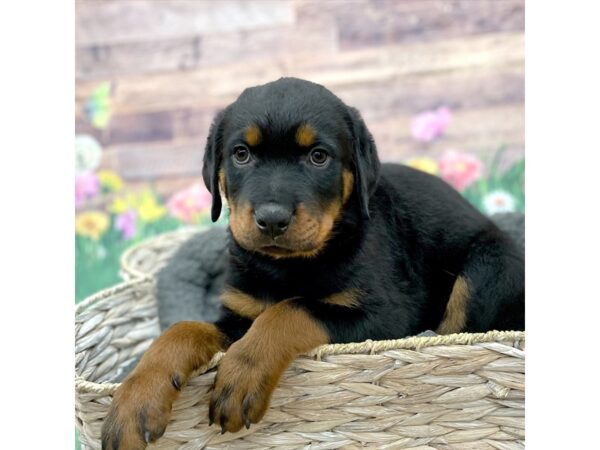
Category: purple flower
[126,224]
[428,125]
[87,185]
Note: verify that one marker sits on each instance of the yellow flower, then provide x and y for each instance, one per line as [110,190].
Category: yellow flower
[146,204]
[110,180]
[92,224]
[148,209]
[122,204]
[424,164]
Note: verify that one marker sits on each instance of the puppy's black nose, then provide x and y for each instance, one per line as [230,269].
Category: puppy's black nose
[272,219]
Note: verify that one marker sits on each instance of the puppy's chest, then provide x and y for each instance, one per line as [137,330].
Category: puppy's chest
[249,293]
[243,303]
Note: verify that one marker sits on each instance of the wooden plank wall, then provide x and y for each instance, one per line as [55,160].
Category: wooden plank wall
[173,63]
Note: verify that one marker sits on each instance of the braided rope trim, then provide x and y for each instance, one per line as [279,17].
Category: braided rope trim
[171,240]
[109,292]
[367,347]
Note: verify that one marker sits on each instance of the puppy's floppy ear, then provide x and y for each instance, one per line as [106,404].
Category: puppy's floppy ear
[213,156]
[365,160]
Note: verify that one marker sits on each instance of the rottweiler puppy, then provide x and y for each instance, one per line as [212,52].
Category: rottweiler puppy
[327,246]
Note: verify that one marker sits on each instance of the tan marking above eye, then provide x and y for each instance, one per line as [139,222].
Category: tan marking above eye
[305,135]
[252,135]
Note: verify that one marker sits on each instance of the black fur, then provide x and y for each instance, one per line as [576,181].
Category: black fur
[365,160]
[190,283]
[212,162]
[402,239]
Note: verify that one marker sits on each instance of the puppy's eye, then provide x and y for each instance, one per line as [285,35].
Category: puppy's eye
[241,154]
[318,157]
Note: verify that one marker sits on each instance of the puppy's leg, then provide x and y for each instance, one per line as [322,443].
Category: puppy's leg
[142,405]
[253,365]
[489,293]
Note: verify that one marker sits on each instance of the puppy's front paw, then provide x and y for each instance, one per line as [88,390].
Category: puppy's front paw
[241,392]
[140,410]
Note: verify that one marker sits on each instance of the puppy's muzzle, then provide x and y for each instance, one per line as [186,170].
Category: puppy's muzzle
[273,219]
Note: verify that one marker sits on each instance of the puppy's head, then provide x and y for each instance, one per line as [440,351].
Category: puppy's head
[288,155]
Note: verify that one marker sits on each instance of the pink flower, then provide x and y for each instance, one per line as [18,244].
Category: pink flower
[188,203]
[126,224]
[87,186]
[460,169]
[428,125]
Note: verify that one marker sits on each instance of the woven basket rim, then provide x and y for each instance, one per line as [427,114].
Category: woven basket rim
[368,347]
[124,260]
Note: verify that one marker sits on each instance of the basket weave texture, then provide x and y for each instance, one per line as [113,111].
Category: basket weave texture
[148,257]
[463,391]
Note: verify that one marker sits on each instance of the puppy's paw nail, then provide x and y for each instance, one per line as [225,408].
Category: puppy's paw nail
[176,382]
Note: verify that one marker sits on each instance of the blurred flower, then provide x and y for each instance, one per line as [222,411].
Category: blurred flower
[126,224]
[424,164]
[499,201]
[185,205]
[87,153]
[460,169]
[97,107]
[110,180]
[87,186]
[122,203]
[428,125]
[92,224]
[148,208]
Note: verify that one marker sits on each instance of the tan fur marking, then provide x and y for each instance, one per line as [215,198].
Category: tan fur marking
[287,329]
[455,317]
[242,223]
[253,365]
[196,343]
[348,299]
[304,220]
[328,221]
[305,135]
[252,135]
[222,182]
[308,233]
[154,384]
[243,304]
[347,185]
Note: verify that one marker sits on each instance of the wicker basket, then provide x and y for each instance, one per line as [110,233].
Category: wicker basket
[149,256]
[461,391]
